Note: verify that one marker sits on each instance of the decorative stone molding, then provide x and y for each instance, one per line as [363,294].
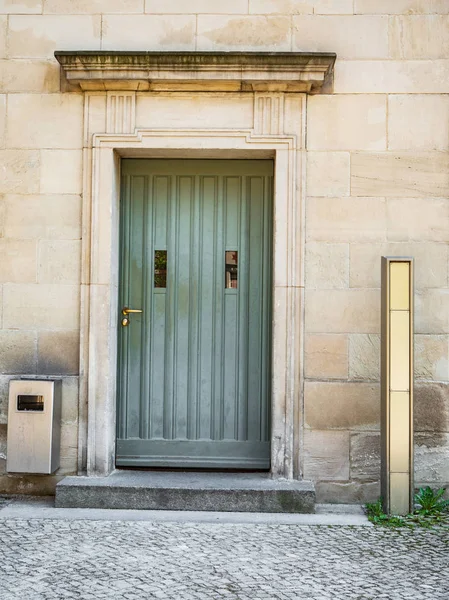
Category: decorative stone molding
[101,198]
[309,72]
[269,113]
[121,112]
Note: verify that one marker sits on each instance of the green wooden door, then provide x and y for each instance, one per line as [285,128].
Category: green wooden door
[194,366]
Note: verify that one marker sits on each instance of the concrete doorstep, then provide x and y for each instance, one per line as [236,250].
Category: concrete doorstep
[166,490]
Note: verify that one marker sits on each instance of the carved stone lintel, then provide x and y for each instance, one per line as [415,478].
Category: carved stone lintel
[309,72]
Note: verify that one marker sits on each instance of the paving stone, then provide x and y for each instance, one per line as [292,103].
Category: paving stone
[44,559]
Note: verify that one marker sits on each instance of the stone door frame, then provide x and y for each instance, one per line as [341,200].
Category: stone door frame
[276,85]
[278,133]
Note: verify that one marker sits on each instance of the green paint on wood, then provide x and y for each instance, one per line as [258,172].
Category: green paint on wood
[194,367]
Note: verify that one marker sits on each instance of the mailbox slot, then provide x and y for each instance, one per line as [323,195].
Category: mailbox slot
[30,403]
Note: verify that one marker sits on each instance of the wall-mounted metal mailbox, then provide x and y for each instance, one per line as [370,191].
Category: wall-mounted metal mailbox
[34,426]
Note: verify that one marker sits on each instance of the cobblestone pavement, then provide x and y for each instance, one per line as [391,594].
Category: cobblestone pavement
[50,559]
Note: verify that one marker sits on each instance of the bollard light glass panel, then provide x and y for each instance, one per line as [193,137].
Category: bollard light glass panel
[397,385]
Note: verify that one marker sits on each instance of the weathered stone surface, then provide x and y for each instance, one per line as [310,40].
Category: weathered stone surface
[18,351]
[432,357]
[431,259]
[3,24]
[326,356]
[334,7]
[195,111]
[47,217]
[69,409]
[350,492]
[167,32]
[412,176]
[69,449]
[418,219]
[70,421]
[38,36]
[432,459]
[365,457]
[342,311]
[364,356]
[61,172]
[187,491]
[346,122]
[2,114]
[418,122]
[41,306]
[431,407]
[45,121]
[326,455]
[58,353]
[273,7]
[36,485]
[327,265]
[18,262]
[269,34]
[4,396]
[406,175]
[339,405]
[196,7]
[20,172]
[391,77]
[432,311]
[398,7]
[328,174]
[74,7]
[346,219]
[353,37]
[29,76]
[59,261]
[419,37]
[2,449]
[19,7]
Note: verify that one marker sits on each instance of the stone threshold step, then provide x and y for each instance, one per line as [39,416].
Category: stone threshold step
[167,490]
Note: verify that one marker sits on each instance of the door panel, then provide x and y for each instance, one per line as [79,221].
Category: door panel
[194,366]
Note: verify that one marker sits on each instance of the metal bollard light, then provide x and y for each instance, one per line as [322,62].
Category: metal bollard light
[397,385]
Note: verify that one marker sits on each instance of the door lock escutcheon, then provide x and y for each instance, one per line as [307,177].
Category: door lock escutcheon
[127,311]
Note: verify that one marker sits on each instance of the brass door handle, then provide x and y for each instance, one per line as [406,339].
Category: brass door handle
[128,311]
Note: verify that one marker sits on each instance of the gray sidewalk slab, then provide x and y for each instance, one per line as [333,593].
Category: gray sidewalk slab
[43,508]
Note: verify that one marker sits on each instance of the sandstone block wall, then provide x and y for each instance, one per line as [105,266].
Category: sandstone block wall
[377,183]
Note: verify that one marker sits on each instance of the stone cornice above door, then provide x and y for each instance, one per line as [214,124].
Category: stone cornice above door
[306,72]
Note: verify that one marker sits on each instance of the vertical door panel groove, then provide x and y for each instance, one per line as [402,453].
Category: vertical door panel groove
[170,319]
[147,244]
